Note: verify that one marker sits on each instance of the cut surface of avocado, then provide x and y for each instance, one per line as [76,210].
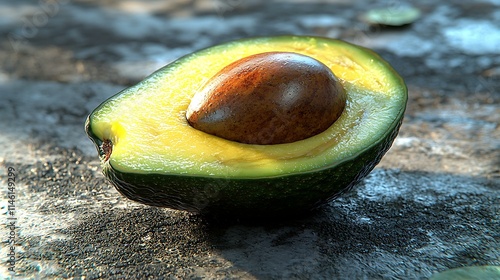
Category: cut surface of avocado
[149,134]
[147,127]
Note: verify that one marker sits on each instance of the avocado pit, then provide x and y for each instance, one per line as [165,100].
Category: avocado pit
[268,98]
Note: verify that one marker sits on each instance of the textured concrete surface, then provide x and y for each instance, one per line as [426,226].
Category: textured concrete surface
[432,204]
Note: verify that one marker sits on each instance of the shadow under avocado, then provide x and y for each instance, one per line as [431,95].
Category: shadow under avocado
[398,226]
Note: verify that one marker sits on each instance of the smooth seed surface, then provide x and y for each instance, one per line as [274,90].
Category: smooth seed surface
[268,98]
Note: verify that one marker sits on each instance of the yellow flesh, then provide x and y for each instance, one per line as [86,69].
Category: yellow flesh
[147,125]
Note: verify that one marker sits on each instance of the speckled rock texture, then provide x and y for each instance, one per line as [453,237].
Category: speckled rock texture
[432,204]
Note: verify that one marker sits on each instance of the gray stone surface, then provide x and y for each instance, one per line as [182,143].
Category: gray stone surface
[432,203]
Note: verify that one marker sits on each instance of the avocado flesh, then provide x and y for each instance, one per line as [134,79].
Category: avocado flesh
[154,145]
[147,126]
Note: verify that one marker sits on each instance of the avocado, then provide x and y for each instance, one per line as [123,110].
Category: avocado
[152,155]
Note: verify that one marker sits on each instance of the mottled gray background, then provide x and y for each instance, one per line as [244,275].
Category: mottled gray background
[432,203]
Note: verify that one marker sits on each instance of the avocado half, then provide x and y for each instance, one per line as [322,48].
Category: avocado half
[152,155]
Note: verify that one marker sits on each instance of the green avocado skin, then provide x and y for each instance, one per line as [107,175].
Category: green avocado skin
[250,198]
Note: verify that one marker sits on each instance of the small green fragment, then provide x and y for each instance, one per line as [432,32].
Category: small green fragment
[392,16]
[469,273]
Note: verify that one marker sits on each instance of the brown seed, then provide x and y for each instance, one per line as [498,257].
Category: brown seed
[268,98]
